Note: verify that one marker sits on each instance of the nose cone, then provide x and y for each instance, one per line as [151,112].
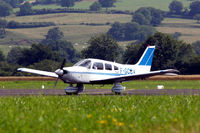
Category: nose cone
[59,72]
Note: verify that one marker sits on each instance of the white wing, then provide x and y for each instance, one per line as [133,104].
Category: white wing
[39,72]
[135,76]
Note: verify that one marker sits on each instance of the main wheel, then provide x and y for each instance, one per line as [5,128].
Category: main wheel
[74,93]
[117,93]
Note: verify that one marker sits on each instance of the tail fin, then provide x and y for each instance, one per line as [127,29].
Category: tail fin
[147,58]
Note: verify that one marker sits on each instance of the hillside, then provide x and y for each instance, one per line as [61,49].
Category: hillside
[79,28]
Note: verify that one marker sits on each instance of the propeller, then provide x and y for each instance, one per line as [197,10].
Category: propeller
[60,72]
[63,64]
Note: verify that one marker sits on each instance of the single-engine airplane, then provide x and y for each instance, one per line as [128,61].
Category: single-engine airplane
[96,71]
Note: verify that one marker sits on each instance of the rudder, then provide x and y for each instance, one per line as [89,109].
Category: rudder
[147,57]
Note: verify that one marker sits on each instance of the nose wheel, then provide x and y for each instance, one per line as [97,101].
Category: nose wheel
[74,90]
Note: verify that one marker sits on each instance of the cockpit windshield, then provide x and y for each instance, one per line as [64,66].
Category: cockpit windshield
[78,63]
[84,63]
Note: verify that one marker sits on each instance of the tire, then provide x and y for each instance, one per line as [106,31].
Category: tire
[117,93]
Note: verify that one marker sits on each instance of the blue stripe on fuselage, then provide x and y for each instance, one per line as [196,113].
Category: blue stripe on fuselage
[148,57]
[99,73]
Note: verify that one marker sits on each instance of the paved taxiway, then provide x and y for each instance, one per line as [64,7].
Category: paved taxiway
[60,92]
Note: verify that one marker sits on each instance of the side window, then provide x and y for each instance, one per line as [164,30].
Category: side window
[108,66]
[116,68]
[97,66]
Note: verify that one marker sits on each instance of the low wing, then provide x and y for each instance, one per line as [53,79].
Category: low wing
[135,76]
[39,72]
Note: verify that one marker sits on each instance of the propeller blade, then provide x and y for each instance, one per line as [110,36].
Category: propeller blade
[60,72]
[56,82]
[63,64]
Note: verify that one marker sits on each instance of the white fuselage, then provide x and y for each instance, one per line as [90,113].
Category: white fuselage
[104,70]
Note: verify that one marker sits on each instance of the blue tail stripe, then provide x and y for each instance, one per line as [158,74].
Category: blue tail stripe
[150,60]
[148,57]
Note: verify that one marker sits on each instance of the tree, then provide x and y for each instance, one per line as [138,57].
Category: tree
[3,24]
[196,46]
[14,3]
[193,66]
[156,16]
[176,35]
[186,53]
[176,7]
[117,31]
[46,65]
[96,6]
[37,53]
[67,3]
[197,17]
[54,40]
[8,70]
[144,32]
[195,8]
[131,54]
[140,19]
[148,16]
[5,9]
[130,31]
[145,11]
[167,54]
[47,2]
[102,47]
[2,57]
[14,55]
[64,49]
[53,34]
[25,9]
[107,3]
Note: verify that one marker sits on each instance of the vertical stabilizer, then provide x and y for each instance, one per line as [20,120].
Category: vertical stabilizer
[146,59]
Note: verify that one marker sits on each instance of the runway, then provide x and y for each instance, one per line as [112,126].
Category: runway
[61,92]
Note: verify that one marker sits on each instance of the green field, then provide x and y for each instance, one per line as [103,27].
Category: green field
[138,84]
[7,48]
[136,4]
[189,29]
[70,24]
[131,5]
[106,114]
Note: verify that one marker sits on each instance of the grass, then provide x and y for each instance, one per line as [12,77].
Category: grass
[69,23]
[131,5]
[100,114]
[188,28]
[138,84]
[73,18]
[16,38]
[136,4]
[6,48]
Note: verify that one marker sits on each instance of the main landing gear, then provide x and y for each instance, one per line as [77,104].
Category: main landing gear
[118,88]
[74,90]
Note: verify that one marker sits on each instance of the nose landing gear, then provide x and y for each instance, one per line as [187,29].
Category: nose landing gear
[74,90]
